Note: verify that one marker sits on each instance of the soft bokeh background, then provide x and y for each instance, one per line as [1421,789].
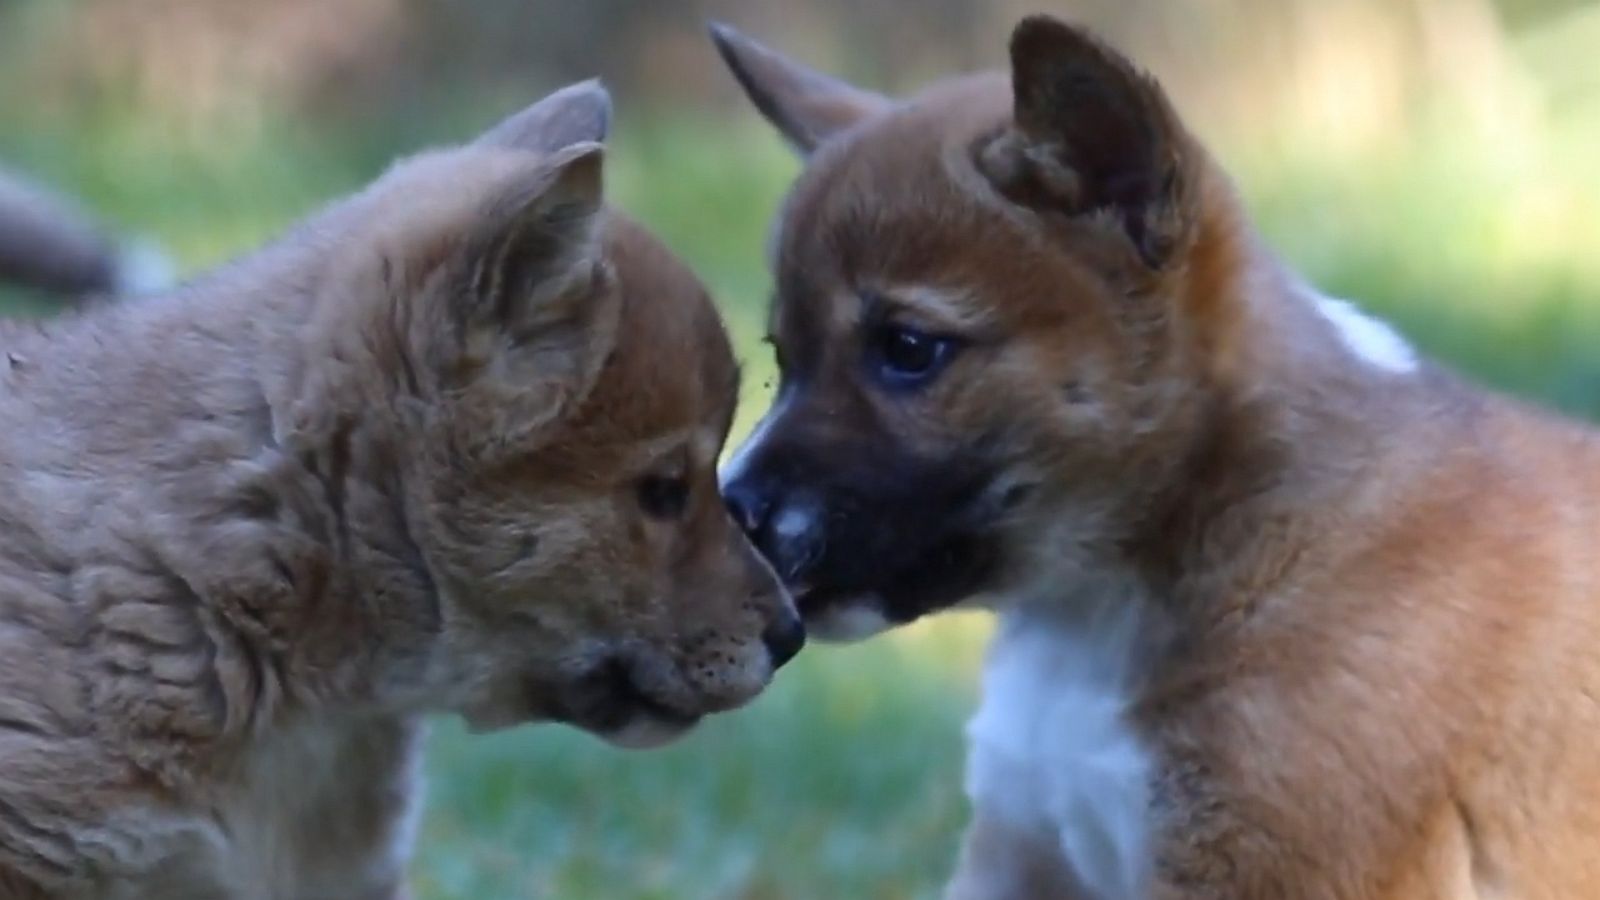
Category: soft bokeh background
[1439,160]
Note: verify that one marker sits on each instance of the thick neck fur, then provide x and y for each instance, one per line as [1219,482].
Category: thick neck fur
[156,513]
[1277,430]
[1270,450]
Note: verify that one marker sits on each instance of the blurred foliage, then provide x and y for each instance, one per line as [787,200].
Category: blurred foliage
[1434,159]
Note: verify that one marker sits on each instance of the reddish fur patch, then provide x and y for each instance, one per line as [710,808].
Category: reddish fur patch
[1381,590]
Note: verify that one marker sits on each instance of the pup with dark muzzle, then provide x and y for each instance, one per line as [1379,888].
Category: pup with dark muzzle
[1286,612]
[922,396]
[884,537]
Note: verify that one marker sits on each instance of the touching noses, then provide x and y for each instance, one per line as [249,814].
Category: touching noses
[785,525]
[784,638]
[786,634]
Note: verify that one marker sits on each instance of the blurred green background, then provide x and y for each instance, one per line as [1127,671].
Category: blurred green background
[1438,160]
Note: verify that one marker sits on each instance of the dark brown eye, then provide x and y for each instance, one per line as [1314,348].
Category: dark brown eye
[663,497]
[905,358]
[910,353]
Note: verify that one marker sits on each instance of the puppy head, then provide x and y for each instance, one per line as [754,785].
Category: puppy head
[981,323]
[554,388]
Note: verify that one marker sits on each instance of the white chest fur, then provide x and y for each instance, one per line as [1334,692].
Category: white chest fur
[1051,749]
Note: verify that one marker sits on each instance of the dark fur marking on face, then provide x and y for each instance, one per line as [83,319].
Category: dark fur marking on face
[914,532]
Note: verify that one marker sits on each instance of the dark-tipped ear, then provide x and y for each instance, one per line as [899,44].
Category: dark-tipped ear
[806,106]
[578,113]
[1091,133]
[540,312]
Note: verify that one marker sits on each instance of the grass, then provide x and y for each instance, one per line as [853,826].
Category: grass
[844,779]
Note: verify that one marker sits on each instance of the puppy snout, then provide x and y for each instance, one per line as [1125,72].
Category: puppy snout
[784,522]
[791,538]
[747,503]
[784,638]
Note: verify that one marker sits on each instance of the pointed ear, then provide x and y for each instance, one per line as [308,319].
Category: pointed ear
[539,315]
[806,106]
[1091,133]
[578,113]
[536,238]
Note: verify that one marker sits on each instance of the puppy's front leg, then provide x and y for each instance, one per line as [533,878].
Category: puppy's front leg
[999,862]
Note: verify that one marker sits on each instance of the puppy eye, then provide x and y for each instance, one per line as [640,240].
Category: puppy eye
[906,358]
[663,497]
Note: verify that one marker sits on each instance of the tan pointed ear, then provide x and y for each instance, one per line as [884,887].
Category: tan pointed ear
[530,262]
[578,113]
[538,314]
[806,106]
[1092,133]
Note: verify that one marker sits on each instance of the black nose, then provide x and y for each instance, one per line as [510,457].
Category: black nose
[747,503]
[792,537]
[787,527]
[784,638]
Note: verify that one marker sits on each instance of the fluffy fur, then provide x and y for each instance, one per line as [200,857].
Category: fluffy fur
[1053,748]
[447,447]
[1286,612]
